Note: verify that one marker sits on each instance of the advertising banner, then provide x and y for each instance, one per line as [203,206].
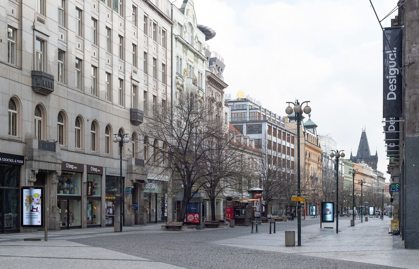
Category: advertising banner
[32,200]
[371,211]
[192,213]
[312,210]
[392,73]
[328,212]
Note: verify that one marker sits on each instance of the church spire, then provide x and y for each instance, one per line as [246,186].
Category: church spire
[363,154]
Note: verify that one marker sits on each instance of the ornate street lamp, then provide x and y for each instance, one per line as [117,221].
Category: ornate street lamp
[337,154]
[353,197]
[121,139]
[296,109]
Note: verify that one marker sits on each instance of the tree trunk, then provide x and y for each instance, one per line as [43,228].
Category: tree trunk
[212,201]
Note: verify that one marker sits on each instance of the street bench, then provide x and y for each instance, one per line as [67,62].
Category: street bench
[173,226]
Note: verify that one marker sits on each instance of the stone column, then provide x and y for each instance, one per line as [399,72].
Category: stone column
[54,211]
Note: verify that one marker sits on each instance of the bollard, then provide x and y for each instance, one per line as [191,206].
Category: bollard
[274,227]
[270,227]
[290,238]
[252,226]
[256,227]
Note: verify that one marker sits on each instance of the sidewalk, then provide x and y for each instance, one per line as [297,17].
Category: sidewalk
[367,242]
[57,252]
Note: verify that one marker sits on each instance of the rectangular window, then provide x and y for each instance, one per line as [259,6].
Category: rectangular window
[121,92]
[154,104]
[134,16]
[145,96]
[61,13]
[61,66]
[94,29]
[163,73]
[11,45]
[79,18]
[94,81]
[40,54]
[145,63]
[164,38]
[134,55]
[121,7]
[40,7]
[154,31]
[79,73]
[145,25]
[108,40]
[121,47]
[154,68]
[108,86]
[134,101]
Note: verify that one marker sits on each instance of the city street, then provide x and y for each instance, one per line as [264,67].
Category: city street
[150,247]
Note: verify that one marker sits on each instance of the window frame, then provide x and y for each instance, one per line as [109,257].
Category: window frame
[121,92]
[121,47]
[40,54]
[108,39]
[108,141]
[134,55]
[94,76]
[95,32]
[61,14]
[79,19]
[61,129]
[13,118]
[94,137]
[78,130]
[61,66]
[108,82]
[79,73]
[12,45]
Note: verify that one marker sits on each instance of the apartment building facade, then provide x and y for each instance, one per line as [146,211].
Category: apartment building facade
[74,74]
[277,144]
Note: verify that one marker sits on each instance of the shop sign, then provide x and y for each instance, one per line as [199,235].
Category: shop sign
[394,187]
[328,212]
[72,167]
[152,187]
[91,169]
[32,204]
[6,158]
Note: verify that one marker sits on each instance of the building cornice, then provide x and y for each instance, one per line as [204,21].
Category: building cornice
[191,48]
[161,13]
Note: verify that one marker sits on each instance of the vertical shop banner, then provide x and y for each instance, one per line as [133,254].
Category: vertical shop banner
[392,135]
[392,73]
[312,210]
[32,204]
[328,212]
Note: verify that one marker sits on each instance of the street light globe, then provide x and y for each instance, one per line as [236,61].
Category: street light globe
[297,109]
[116,138]
[289,110]
[342,154]
[332,155]
[125,139]
[307,109]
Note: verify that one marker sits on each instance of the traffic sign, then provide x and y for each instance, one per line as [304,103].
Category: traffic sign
[296,198]
[394,187]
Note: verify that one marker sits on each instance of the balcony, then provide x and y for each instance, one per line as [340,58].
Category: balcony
[136,116]
[42,83]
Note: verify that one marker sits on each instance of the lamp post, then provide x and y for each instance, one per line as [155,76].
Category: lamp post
[362,205]
[353,197]
[298,111]
[121,139]
[337,154]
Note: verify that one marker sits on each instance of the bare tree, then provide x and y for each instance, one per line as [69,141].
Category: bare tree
[184,133]
[224,159]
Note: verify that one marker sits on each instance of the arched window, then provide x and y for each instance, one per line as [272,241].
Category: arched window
[39,122]
[78,128]
[61,127]
[108,131]
[93,136]
[13,118]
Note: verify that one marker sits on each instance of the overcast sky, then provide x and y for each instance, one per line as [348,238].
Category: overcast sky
[325,51]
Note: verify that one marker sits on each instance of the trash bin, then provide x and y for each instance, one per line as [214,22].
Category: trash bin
[352,222]
[366,218]
[232,223]
[290,238]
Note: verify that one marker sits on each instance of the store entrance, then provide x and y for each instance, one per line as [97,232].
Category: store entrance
[70,212]
[9,198]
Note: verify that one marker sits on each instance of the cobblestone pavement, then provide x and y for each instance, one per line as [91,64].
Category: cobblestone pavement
[150,247]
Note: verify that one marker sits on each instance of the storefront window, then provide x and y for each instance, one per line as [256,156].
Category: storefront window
[9,197]
[69,184]
[93,212]
[112,187]
[94,185]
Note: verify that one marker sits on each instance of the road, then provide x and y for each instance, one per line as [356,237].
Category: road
[199,249]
